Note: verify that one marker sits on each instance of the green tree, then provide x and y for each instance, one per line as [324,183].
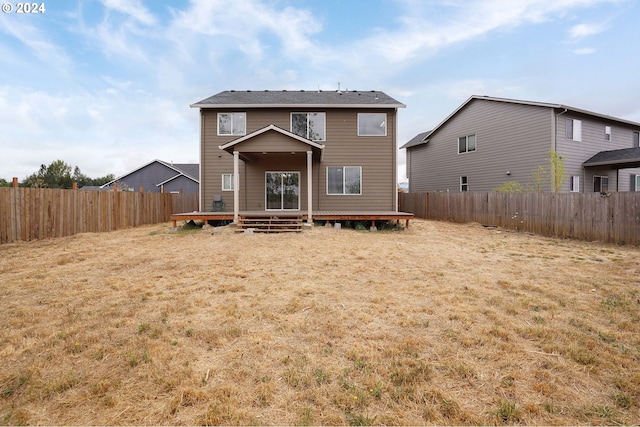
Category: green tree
[558,175]
[540,179]
[4,183]
[56,175]
[510,187]
[61,175]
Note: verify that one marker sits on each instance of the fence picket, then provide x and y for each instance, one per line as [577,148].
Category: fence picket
[41,213]
[614,218]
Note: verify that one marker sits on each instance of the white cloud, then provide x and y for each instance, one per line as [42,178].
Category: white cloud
[420,34]
[580,31]
[37,42]
[132,8]
[249,25]
[108,131]
[584,51]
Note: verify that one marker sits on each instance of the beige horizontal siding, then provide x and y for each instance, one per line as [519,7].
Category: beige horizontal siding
[376,156]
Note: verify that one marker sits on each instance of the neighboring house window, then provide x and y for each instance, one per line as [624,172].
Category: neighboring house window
[636,181]
[464,183]
[575,184]
[309,125]
[600,184]
[227,182]
[636,139]
[344,180]
[607,133]
[232,124]
[466,144]
[574,129]
[372,124]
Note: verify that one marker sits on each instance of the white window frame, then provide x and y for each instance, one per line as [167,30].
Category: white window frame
[575,184]
[234,116]
[230,186]
[282,208]
[464,186]
[361,116]
[637,182]
[607,133]
[307,113]
[466,143]
[344,175]
[602,177]
[574,130]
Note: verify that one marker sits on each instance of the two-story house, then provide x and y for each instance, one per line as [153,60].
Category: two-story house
[489,141]
[298,151]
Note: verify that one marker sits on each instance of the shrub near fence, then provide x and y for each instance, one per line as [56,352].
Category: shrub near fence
[41,213]
[613,218]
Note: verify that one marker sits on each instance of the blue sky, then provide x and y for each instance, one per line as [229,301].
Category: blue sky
[106,84]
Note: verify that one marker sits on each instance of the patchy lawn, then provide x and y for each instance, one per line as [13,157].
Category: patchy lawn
[443,324]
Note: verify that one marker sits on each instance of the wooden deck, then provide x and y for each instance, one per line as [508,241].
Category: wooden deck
[317,216]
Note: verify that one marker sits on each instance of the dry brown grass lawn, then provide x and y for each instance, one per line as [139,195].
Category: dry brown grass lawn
[444,324]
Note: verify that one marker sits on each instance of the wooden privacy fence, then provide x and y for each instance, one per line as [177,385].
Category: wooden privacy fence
[612,218]
[41,213]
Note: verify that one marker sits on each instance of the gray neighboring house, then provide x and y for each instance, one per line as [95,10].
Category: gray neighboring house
[153,176]
[488,141]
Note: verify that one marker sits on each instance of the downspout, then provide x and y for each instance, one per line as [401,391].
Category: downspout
[201,183]
[395,163]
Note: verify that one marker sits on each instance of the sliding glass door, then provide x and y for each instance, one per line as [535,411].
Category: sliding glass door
[282,190]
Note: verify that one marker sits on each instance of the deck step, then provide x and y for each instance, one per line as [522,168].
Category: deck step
[271,224]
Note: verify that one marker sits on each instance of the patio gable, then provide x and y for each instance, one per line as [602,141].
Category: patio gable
[271,139]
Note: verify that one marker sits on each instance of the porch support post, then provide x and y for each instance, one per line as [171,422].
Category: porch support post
[309,187]
[236,187]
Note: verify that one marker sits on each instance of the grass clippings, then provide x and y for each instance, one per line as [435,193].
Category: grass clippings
[443,324]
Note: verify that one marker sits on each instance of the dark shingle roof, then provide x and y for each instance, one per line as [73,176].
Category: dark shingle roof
[302,98]
[417,140]
[623,158]
[190,169]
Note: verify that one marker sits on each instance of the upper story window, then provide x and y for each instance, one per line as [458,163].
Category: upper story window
[574,129]
[309,125]
[466,144]
[372,124]
[232,124]
[636,139]
[607,133]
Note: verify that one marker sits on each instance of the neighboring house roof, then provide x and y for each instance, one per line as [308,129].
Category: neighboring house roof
[424,139]
[93,188]
[417,140]
[621,159]
[299,99]
[189,170]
